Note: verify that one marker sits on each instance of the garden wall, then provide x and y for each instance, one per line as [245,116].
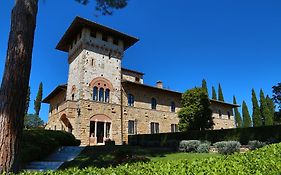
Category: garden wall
[243,135]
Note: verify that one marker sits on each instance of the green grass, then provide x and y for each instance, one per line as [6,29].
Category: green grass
[183,156]
[103,157]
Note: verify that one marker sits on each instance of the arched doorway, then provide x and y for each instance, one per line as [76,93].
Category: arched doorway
[66,123]
[100,129]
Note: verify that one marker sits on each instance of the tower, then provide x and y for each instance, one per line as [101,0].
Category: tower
[94,56]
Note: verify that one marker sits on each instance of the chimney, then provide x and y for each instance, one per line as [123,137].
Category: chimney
[159,84]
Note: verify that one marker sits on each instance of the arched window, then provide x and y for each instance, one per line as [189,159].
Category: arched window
[228,114]
[220,114]
[107,94]
[153,103]
[95,93]
[131,100]
[101,95]
[173,107]
[72,97]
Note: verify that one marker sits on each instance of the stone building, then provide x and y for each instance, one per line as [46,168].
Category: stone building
[102,100]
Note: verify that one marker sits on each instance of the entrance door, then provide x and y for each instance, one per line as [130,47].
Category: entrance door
[100,132]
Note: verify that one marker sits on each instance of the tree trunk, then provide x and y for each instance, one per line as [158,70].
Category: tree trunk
[15,82]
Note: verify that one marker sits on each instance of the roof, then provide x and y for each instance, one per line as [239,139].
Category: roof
[151,87]
[56,91]
[221,102]
[133,71]
[79,23]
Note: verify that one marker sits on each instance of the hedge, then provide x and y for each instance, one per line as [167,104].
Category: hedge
[271,134]
[266,160]
[37,144]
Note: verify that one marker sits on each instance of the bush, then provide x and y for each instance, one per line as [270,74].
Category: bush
[270,134]
[227,147]
[37,144]
[189,145]
[255,144]
[203,148]
[262,161]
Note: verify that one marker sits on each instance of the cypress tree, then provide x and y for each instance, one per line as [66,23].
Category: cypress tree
[214,94]
[38,100]
[271,108]
[220,98]
[256,116]
[265,113]
[237,115]
[246,116]
[204,86]
[27,100]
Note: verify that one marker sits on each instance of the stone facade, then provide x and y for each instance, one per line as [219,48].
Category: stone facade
[103,101]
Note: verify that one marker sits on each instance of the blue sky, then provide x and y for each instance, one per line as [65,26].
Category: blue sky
[234,42]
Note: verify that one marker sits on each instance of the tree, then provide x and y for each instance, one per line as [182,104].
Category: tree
[204,86]
[277,94]
[265,112]
[14,85]
[220,98]
[38,100]
[195,113]
[246,116]
[32,121]
[237,115]
[256,116]
[27,101]
[271,108]
[214,94]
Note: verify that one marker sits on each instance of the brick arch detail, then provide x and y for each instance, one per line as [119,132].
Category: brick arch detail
[101,82]
[65,121]
[101,118]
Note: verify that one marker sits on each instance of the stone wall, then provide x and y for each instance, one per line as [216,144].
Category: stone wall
[226,120]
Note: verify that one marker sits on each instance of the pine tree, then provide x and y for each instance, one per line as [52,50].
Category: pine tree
[38,100]
[256,116]
[214,94]
[246,116]
[237,115]
[204,86]
[271,108]
[220,98]
[265,112]
[27,100]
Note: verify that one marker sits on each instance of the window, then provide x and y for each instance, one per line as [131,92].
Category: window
[101,95]
[220,114]
[228,114]
[137,79]
[93,34]
[72,97]
[95,93]
[104,37]
[173,107]
[154,128]
[92,129]
[115,41]
[174,128]
[107,132]
[131,127]
[153,103]
[131,100]
[107,93]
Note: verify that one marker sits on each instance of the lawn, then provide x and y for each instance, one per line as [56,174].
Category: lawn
[103,157]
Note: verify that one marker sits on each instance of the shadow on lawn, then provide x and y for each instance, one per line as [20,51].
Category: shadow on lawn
[105,156]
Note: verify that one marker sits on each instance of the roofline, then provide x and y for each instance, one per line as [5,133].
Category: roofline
[58,89]
[148,86]
[221,102]
[78,23]
[129,70]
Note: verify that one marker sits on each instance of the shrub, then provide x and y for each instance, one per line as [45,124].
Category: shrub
[227,147]
[203,148]
[37,144]
[255,144]
[189,145]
